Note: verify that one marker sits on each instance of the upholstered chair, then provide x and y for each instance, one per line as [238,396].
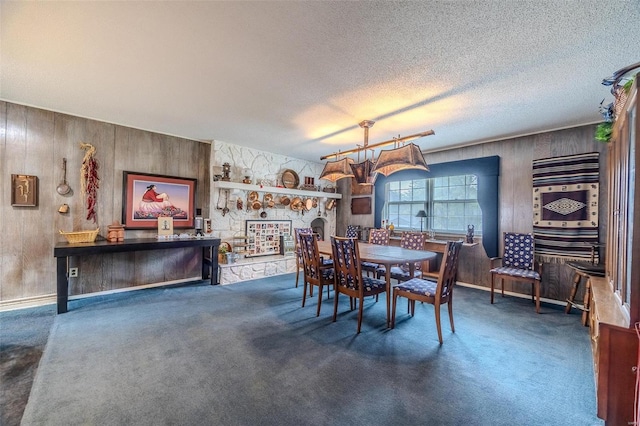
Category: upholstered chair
[518,264]
[436,293]
[296,232]
[352,231]
[411,241]
[315,272]
[380,237]
[348,276]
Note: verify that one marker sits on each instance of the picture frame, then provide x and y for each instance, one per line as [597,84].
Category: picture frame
[24,190]
[361,205]
[146,197]
[165,226]
[264,236]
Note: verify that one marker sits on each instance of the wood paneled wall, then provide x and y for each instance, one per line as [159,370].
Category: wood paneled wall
[34,142]
[516,199]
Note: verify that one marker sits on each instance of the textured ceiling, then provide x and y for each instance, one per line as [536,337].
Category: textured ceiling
[296,78]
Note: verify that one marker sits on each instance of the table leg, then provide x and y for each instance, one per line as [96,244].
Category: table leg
[62,282]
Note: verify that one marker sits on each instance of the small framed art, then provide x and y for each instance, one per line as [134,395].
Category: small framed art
[24,190]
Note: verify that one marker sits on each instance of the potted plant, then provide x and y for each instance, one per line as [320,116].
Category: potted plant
[222,253]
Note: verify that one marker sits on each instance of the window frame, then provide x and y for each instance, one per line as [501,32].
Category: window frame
[428,204]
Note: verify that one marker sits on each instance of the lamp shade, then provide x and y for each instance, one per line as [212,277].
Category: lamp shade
[336,170]
[363,172]
[394,160]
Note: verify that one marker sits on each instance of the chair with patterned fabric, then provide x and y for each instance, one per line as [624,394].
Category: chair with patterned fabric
[435,293]
[518,264]
[296,232]
[352,231]
[380,237]
[411,241]
[348,276]
[315,272]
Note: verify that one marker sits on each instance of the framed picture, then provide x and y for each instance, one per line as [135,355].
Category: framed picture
[147,197]
[165,225]
[24,190]
[361,205]
[264,236]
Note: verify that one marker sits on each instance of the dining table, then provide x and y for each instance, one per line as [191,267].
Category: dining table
[386,256]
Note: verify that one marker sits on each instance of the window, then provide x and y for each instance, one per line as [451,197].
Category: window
[451,204]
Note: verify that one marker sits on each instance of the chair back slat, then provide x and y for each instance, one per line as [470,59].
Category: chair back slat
[346,263]
[519,250]
[379,236]
[310,254]
[352,231]
[412,241]
[448,269]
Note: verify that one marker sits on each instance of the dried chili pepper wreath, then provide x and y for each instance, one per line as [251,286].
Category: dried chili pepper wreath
[89,180]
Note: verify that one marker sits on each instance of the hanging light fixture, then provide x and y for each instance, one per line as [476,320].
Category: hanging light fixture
[389,161]
[363,172]
[403,158]
[336,170]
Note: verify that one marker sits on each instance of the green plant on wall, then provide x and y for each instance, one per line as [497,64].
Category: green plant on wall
[603,131]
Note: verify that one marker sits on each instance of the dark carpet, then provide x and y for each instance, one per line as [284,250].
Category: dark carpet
[248,354]
[23,335]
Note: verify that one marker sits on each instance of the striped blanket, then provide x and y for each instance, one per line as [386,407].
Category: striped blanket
[565,207]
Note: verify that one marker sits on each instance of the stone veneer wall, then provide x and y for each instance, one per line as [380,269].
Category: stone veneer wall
[269,166]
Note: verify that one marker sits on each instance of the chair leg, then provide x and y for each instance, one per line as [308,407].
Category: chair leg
[493,280]
[360,311]
[537,286]
[502,285]
[304,293]
[335,306]
[450,307]
[436,307]
[319,299]
[297,272]
[574,290]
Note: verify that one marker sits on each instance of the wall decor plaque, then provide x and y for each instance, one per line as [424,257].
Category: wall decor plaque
[361,205]
[24,190]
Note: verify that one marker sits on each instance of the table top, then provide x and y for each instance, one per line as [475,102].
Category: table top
[385,255]
[131,244]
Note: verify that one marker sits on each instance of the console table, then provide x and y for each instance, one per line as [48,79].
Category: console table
[62,251]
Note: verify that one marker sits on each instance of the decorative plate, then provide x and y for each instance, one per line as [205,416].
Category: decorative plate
[290,179]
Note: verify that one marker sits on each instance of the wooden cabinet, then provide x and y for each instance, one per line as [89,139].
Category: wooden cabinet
[615,353]
[615,299]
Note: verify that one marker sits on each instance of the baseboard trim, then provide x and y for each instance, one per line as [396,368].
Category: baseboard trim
[50,299]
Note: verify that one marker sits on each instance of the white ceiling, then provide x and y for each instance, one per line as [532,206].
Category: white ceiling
[296,78]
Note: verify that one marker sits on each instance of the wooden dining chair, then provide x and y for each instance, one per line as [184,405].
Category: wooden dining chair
[379,237]
[518,264]
[296,232]
[348,276]
[437,292]
[315,272]
[411,241]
